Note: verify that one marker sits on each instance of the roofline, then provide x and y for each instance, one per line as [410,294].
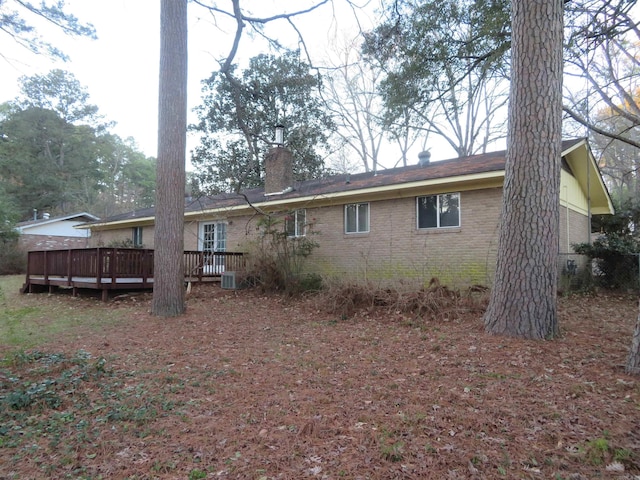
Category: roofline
[42,221]
[578,143]
[488,179]
[380,191]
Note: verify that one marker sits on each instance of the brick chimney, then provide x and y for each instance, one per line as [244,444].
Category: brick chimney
[278,168]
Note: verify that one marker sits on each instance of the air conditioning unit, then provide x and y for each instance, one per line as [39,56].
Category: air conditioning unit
[228,281]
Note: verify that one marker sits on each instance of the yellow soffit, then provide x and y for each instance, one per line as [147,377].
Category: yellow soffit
[590,179]
[131,222]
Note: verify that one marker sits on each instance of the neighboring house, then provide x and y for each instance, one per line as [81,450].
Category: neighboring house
[54,233]
[433,219]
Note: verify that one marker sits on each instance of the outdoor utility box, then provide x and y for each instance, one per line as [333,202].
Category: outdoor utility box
[228,281]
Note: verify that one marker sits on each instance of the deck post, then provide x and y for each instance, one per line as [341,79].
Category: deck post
[45,270]
[69,276]
[27,283]
[143,264]
[98,267]
[113,266]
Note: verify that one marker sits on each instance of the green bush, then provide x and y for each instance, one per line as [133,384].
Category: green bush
[615,252]
[615,258]
[13,259]
[277,260]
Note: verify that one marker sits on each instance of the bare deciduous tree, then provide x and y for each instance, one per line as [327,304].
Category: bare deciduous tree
[355,104]
[603,55]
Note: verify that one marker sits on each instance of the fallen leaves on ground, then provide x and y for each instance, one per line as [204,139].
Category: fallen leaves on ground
[248,385]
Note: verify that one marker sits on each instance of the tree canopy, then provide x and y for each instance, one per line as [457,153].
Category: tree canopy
[45,161]
[441,62]
[61,92]
[439,55]
[19,21]
[240,111]
[56,154]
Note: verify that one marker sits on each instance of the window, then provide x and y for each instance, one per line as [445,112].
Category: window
[136,237]
[295,223]
[439,211]
[356,218]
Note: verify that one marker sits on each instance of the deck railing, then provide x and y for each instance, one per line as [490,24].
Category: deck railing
[118,263]
[211,264]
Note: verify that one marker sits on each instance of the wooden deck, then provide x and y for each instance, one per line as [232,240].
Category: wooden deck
[108,269]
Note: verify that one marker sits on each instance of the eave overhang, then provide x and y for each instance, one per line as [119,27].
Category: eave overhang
[576,153]
[493,179]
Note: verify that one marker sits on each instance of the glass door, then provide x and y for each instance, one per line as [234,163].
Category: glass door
[212,240]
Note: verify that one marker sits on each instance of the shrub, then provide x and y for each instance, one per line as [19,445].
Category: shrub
[615,259]
[432,301]
[13,258]
[615,252]
[276,260]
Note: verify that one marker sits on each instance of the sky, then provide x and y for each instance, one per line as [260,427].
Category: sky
[120,69]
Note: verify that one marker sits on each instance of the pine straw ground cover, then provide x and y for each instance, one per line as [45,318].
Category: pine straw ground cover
[255,386]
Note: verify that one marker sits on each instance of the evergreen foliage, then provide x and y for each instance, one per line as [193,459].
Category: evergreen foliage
[238,116]
[57,155]
[616,250]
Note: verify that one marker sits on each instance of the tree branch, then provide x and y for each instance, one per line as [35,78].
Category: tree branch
[581,120]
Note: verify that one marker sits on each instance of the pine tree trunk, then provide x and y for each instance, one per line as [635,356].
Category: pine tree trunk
[523,298]
[168,279]
[633,361]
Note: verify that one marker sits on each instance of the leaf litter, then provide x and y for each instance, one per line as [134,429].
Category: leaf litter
[261,386]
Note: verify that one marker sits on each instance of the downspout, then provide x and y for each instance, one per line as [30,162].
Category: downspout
[566,211]
[588,200]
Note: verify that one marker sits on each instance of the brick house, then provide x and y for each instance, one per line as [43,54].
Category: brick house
[54,233]
[432,219]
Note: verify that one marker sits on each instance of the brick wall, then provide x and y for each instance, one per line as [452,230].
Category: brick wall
[394,248]
[578,229]
[105,238]
[51,242]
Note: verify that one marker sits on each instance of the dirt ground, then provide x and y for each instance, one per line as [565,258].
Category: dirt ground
[255,386]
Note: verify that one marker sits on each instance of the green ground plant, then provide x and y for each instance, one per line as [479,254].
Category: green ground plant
[24,323]
[597,451]
[51,401]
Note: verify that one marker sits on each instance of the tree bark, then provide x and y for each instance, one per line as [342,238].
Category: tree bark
[168,286]
[633,361]
[523,298]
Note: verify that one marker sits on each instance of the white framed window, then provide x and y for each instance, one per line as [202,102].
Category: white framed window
[356,218]
[438,211]
[295,223]
[136,237]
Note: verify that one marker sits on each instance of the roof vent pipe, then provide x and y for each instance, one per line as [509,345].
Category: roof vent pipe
[424,158]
